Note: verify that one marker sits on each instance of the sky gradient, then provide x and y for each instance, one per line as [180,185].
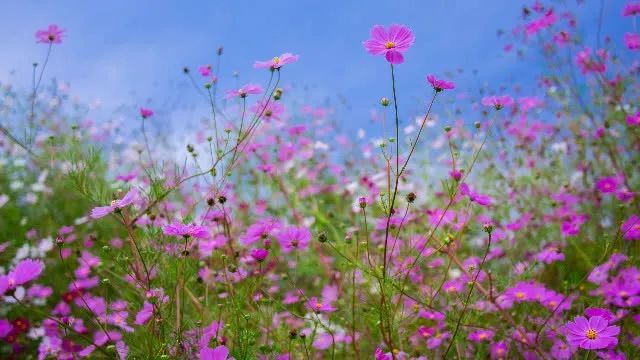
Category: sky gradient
[125,52]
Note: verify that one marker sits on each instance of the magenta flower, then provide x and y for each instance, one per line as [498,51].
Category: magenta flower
[607,184]
[589,63]
[276,62]
[205,70]
[259,231]
[317,306]
[259,254]
[498,102]
[392,43]
[116,205]
[52,35]
[244,91]
[631,228]
[632,41]
[634,119]
[184,230]
[294,238]
[591,334]
[439,85]
[145,113]
[219,353]
[631,9]
[604,313]
[481,335]
[25,271]
[145,314]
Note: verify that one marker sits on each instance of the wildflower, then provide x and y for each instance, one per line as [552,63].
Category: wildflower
[594,333]
[499,350]
[481,335]
[607,184]
[219,353]
[634,119]
[588,63]
[52,35]
[205,70]
[632,41]
[268,110]
[145,314]
[604,313]
[276,62]
[315,305]
[294,238]
[259,254]
[116,205]
[244,91]
[549,255]
[259,230]
[439,85]
[25,271]
[184,230]
[631,9]
[145,113]
[392,43]
[631,228]
[498,102]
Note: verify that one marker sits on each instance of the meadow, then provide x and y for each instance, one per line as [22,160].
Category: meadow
[500,223]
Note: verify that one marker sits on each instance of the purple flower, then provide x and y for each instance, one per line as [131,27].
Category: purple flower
[259,230]
[439,85]
[145,113]
[392,43]
[632,41]
[25,271]
[481,335]
[594,333]
[116,205]
[634,119]
[145,314]
[52,35]
[184,230]
[631,228]
[5,328]
[549,255]
[219,353]
[499,350]
[607,184]
[294,238]
[277,62]
[631,9]
[244,91]
[315,305]
[603,313]
[259,254]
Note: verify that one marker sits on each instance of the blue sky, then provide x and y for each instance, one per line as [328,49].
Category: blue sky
[124,51]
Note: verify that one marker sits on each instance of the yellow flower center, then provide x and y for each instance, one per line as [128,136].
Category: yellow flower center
[591,334]
[520,295]
[318,305]
[389,45]
[276,59]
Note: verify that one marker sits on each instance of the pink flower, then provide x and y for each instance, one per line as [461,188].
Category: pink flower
[116,205]
[588,63]
[591,334]
[392,43]
[145,113]
[52,35]
[294,238]
[184,230]
[607,184]
[219,353]
[632,40]
[631,228]
[631,9]
[259,254]
[244,91]
[145,314]
[481,335]
[277,62]
[25,271]
[439,85]
[498,102]
[634,119]
[205,70]
[315,305]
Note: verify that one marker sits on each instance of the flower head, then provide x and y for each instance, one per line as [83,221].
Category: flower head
[498,102]
[631,9]
[292,238]
[244,91]
[276,62]
[631,228]
[116,205]
[390,43]
[185,230]
[145,113]
[205,70]
[51,35]
[259,254]
[594,333]
[25,271]
[439,85]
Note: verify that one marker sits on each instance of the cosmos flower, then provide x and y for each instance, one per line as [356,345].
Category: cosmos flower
[481,335]
[632,41]
[498,102]
[244,91]
[631,228]
[591,334]
[51,35]
[205,70]
[634,119]
[116,205]
[276,62]
[607,184]
[631,9]
[145,314]
[219,353]
[439,85]
[259,254]
[260,230]
[391,43]
[294,237]
[315,305]
[25,271]
[145,113]
[185,230]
